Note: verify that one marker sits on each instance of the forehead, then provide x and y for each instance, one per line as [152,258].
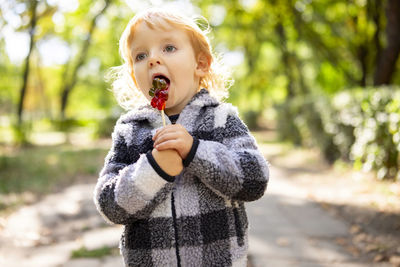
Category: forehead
[144,32]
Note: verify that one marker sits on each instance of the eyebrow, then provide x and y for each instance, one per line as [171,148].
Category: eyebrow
[135,48]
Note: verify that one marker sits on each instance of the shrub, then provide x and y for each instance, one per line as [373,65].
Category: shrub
[300,121]
[360,125]
[105,127]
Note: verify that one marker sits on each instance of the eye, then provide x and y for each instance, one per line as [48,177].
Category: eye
[169,48]
[140,56]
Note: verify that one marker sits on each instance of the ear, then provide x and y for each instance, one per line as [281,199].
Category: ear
[203,65]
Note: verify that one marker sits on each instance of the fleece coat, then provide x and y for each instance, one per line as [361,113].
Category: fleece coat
[197,218]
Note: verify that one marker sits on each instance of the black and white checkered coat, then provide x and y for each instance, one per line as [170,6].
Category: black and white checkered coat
[197,218]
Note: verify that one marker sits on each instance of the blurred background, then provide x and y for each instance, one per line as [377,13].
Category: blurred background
[312,77]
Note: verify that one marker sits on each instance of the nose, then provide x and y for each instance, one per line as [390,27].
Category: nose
[154,60]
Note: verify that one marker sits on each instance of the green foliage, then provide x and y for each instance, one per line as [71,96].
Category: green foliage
[324,45]
[21,132]
[374,113]
[360,125]
[299,121]
[288,131]
[68,124]
[94,253]
[105,127]
[251,118]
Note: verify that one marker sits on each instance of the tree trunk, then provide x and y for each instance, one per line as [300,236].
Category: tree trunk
[362,53]
[71,81]
[387,61]
[375,11]
[27,62]
[298,24]
[286,59]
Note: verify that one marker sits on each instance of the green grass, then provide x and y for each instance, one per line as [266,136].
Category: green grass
[95,253]
[45,169]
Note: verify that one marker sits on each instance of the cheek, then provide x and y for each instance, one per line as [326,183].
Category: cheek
[141,85]
[141,79]
[171,98]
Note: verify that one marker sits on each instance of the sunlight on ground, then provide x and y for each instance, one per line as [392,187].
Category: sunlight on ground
[57,138]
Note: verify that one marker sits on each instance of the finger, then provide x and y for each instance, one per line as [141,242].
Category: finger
[165,137]
[167,132]
[170,144]
[171,130]
[162,130]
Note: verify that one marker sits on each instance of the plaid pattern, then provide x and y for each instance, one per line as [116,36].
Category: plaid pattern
[199,219]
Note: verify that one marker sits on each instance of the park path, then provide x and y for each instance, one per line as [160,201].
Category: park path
[286,229]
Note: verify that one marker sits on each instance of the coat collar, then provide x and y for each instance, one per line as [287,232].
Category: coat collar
[147,112]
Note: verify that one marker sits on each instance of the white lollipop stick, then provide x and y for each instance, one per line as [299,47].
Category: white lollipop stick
[163,119]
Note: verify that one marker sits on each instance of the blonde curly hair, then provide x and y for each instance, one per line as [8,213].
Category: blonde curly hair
[217,81]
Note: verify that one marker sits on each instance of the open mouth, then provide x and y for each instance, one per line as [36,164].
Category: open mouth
[159,91]
[162,78]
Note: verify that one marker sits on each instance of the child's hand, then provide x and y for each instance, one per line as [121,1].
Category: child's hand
[169,161]
[174,136]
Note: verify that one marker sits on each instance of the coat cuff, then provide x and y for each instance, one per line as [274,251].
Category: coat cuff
[158,169]
[192,152]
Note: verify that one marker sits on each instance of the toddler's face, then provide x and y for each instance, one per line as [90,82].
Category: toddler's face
[168,53]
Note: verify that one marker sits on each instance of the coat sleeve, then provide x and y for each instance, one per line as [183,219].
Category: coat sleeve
[232,166]
[128,188]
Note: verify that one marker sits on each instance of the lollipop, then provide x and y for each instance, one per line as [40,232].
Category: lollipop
[159,92]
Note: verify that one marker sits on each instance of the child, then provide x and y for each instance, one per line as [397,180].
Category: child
[179,191]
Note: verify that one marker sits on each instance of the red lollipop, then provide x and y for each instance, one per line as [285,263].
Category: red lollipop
[159,92]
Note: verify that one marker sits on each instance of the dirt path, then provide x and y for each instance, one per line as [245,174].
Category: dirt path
[289,229]
[317,198]
[46,233]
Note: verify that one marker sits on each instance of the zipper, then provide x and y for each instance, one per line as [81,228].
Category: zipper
[238,224]
[175,229]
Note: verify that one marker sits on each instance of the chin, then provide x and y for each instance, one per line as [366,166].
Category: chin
[169,104]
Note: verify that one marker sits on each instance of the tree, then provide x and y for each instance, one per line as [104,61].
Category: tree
[386,65]
[32,28]
[71,80]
